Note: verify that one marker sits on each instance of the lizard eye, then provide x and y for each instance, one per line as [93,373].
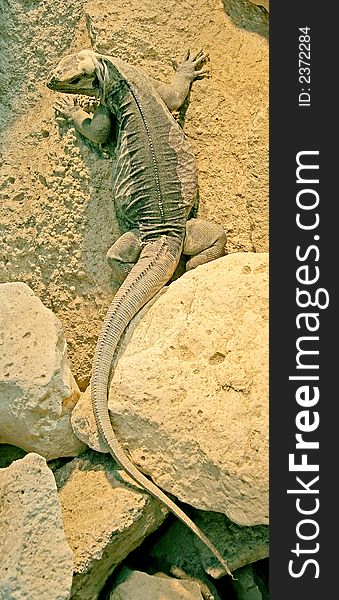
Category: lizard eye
[75,80]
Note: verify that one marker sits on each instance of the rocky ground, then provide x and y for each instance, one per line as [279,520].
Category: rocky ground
[189,394]
[189,404]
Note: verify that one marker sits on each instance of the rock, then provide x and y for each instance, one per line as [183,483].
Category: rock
[37,389]
[139,585]
[178,552]
[105,517]
[57,209]
[189,397]
[36,560]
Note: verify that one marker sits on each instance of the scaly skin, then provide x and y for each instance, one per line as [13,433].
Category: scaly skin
[150,192]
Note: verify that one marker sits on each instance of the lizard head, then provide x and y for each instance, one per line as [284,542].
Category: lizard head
[83,73]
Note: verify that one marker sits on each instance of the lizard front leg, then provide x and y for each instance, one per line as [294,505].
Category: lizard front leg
[96,128]
[186,72]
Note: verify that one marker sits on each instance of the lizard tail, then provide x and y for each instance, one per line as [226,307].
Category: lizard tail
[153,270]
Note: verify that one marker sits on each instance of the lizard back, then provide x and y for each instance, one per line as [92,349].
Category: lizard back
[155,182]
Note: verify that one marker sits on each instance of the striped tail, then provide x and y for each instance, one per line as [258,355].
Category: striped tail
[156,265]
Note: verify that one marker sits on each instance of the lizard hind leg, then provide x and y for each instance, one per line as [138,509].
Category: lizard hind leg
[204,241]
[123,255]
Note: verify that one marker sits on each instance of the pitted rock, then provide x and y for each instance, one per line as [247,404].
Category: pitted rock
[189,397]
[35,558]
[106,516]
[37,388]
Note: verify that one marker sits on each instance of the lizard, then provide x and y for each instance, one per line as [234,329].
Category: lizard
[155,192]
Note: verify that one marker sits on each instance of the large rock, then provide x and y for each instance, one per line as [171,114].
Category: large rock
[37,389]
[36,561]
[105,515]
[189,397]
[57,209]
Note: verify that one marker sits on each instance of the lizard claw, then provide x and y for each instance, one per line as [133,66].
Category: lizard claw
[197,55]
[186,55]
[200,59]
[185,58]
[202,73]
[175,64]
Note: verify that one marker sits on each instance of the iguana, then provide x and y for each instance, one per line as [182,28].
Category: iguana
[155,191]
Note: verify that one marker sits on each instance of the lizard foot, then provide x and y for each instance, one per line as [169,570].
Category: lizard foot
[65,108]
[123,255]
[204,241]
[192,66]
